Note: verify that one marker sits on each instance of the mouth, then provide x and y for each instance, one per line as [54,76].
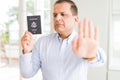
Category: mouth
[58,24]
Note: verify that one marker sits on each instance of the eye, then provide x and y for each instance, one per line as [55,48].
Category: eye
[62,14]
[54,15]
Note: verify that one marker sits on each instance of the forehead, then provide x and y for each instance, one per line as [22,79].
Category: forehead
[62,7]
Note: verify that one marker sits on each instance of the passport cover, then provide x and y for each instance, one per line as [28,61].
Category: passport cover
[34,24]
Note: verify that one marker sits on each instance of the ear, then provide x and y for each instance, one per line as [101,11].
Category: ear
[76,19]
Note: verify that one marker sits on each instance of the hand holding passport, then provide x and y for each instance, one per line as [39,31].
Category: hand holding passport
[34,24]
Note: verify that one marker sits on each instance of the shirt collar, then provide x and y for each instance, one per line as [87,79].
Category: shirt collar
[69,39]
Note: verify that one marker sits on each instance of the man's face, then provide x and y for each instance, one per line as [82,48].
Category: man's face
[64,21]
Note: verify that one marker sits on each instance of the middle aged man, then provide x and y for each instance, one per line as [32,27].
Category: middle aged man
[66,54]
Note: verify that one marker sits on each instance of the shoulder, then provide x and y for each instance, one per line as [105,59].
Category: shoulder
[46,38]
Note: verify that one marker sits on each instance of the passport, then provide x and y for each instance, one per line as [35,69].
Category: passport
[34,24]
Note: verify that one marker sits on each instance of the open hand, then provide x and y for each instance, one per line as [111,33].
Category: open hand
[86,43]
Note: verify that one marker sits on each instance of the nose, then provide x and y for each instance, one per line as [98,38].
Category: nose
[58,17]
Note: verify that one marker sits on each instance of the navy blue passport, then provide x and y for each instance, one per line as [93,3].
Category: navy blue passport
[34,24]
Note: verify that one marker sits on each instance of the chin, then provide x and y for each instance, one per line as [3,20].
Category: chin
[59,30]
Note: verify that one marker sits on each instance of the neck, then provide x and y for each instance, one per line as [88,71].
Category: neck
[65,35]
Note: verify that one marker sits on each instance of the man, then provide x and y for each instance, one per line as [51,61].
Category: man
[64,55]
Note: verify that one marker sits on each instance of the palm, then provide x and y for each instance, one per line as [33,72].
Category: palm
[85,45]
[85,48]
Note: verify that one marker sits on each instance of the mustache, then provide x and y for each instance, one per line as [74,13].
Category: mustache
[58,24]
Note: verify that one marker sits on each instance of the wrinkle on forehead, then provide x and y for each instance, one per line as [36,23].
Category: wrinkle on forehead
[62,7]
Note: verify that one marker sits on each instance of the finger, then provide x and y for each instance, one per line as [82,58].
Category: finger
[25,46]
[27,33]
[28,36]
[80,30]
[96,36]
[85,28]
[90,28]
[74,42]
[28,39]
[25,43]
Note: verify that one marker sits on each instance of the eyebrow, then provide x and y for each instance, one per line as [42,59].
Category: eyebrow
[60,12]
